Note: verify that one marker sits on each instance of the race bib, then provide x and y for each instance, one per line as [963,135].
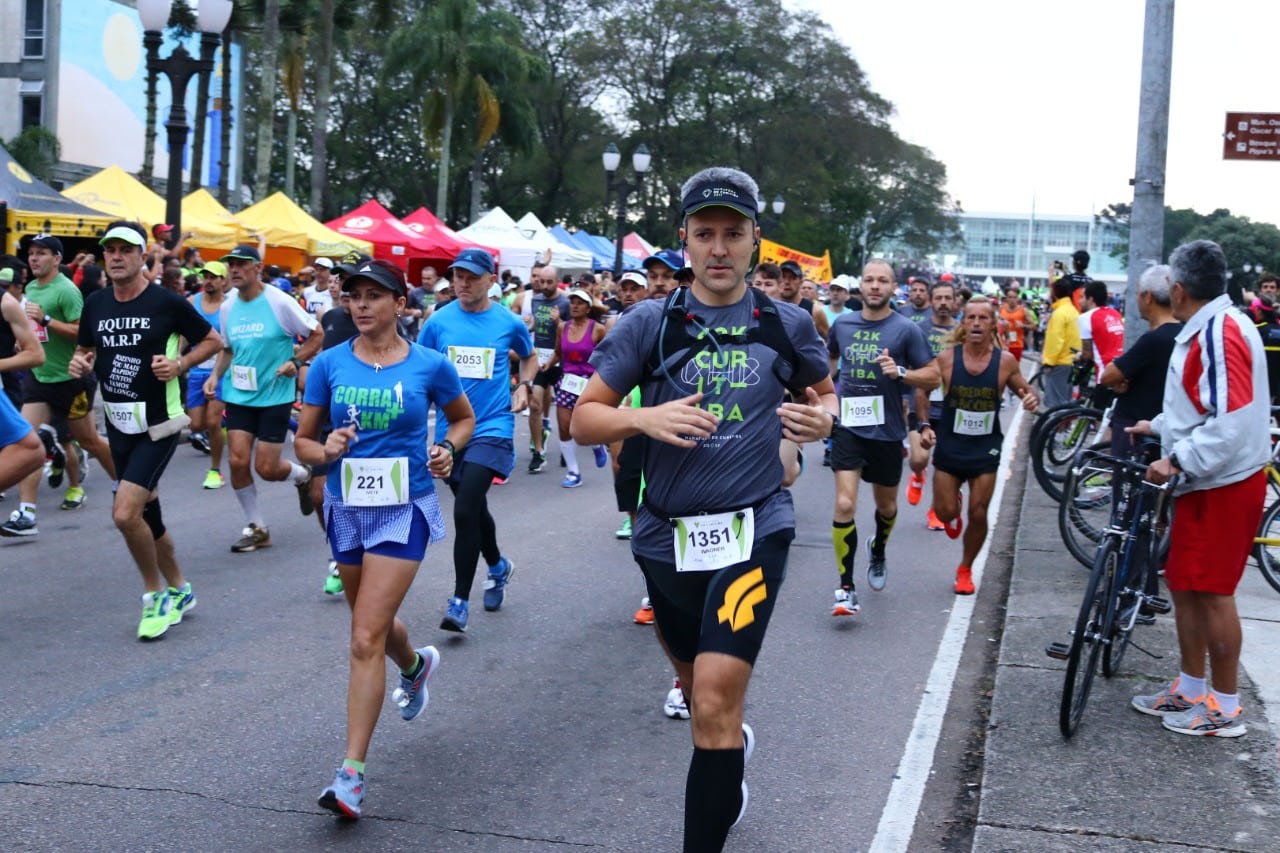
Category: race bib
[974,423]
[573,384]
[244,377]
[1012,337]
[544,354]
[705,543]
[41,333]
[472,362]
[375,482]
[861,411]
[936,395]
[129,418]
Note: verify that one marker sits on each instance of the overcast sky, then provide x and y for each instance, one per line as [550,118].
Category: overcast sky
[1023,98]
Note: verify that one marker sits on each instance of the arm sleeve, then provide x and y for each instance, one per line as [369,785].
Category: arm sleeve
[620,358]
[427,336]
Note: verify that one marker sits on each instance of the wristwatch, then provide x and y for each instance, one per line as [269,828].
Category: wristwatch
[902,372]
[447,445]
[528,383]
[1173,460]
[46,320]
[920,426]
[297,362]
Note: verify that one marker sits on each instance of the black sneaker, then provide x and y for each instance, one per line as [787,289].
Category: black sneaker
[53,453]
[304,493]
[200,442]
[537,463]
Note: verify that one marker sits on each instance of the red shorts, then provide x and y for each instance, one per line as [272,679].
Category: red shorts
[1213,533]
[1015,351]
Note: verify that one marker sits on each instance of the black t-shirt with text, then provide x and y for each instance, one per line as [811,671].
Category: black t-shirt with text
[126,336]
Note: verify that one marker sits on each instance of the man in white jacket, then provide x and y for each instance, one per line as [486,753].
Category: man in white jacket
[1214,432]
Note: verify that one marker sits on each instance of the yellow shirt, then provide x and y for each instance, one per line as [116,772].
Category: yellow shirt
[1062,334]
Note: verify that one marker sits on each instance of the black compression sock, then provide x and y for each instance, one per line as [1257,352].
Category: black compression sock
[712,798]
[884,526]
[844,536]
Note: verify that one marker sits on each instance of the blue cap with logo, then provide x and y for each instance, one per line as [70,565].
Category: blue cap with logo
[476,261]
[670,257]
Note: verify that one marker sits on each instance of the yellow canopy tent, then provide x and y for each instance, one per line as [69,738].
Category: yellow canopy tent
[31,206]
[282,222]
[115,191]
[201,205]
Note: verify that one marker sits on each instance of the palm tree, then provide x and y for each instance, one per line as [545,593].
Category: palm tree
[450,51]
[268,70]
[323,55]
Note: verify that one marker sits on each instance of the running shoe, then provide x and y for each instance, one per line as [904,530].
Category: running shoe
[933,522]
[546,431]
[915,489]
[212,480]
[964,581]
[500,481]
[748,747]
[19,524]
[345,796]
[644,616]
[571,481]
[455,618]
[954,528]
[602,455]
[155,615]
[537,463]
[412,695]
[304,494]
[200,441]
[1206,719]
[83,459]
[1170,700]
[181,602]
[252,538]
[333,581]
[74,498]
[495,585]
[624,532]
[846,603]
[676,707]
[56,459]
[877,571]
[826,455]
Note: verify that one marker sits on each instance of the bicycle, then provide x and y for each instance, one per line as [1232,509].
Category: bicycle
[1131,550]
[1061,433]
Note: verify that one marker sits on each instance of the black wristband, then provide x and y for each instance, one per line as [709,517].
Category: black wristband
[920,427]
[297,362]
[447,445]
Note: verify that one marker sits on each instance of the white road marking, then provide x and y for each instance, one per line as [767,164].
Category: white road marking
[898,819]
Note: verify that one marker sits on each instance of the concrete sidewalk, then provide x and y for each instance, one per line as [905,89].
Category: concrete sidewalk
[1122,783]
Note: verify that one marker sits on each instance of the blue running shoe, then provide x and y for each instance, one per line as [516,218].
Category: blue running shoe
[455,618]
[571,481]
[495,586]
[411,695]
[602,456]
[345,796]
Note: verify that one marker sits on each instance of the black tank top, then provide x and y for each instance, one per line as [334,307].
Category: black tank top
[969,435]
[9,380]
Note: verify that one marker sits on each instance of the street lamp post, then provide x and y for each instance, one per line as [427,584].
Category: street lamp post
[179,67]
[612,158]
[768,223]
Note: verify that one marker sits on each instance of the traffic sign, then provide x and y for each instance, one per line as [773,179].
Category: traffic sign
[1251,136]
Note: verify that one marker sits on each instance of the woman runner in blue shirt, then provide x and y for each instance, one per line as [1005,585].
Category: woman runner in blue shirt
[380,504]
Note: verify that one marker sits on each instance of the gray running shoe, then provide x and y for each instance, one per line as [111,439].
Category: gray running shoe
[1206,719]
[252,538]
[19,524]
[846,603]
[877,571]
[1170,700]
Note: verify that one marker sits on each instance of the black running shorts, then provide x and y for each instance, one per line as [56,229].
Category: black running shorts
[139,459]
[267,423]
[879,461]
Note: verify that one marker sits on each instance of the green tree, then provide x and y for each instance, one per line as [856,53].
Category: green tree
[37,150]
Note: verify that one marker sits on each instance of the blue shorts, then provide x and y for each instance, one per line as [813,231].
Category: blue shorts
[413,548]
[496,454]
[195,388]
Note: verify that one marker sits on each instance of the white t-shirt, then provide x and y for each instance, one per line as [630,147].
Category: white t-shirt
[317,301]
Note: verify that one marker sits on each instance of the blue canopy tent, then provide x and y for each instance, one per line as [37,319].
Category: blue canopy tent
[602,251]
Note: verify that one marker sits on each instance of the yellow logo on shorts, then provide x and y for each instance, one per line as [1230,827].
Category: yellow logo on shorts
[739,599]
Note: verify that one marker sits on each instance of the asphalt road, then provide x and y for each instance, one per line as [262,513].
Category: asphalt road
[544,730]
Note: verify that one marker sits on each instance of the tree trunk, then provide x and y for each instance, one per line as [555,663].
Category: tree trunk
[291,140]
[320,120]
[269,74]
[446,141]
[207,49]
[224,157]
[477,168]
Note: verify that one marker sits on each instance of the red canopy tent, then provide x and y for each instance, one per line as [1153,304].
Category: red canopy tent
[445,242]
[392,240]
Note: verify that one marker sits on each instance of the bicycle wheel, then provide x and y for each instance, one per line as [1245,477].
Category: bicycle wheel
[1267,549]
[1086,646]
[1085,509]
[1061,435]
[1128,575]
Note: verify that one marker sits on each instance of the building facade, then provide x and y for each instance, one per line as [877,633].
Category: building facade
[1025,245]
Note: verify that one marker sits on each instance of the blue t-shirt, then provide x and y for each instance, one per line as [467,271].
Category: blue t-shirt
[388,407]
[260,334]
[478,342]
[13,427]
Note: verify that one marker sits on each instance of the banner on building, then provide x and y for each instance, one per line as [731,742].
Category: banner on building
[815,267]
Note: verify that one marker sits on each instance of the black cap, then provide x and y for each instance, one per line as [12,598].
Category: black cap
[381,274]
[47,241]
[243,252]
[717,194]
[793,268]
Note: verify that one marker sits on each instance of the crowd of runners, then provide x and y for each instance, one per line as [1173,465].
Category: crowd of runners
[679,379]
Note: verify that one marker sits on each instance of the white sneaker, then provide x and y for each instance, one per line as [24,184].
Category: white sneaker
[676,707]
[846,603]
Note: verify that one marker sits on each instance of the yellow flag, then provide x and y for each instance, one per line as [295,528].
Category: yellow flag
[816,268]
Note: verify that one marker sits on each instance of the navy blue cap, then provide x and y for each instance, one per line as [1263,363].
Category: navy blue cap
[243,252]
[47,241]
[717,194]
[671,257]
[476,261]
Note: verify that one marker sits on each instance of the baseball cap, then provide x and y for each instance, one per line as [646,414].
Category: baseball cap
[793,268]
[161,228]
[243,252]
[327,263]
[512,285]
[6,274]
[441,286]
[946,276]
[125,233]
[476,261]
[840,281]
[714,193]
[381,274]
[215,268]
[684,274]
[584,295]
[635,278]
[47,241]
[669,257]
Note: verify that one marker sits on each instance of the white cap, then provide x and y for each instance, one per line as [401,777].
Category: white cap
[635,278]
[324,262]
[441,285]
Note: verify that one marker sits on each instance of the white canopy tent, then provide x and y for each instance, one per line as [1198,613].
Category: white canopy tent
[564,258]
[520,247]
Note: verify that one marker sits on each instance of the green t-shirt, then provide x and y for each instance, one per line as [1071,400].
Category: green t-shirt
[61,300]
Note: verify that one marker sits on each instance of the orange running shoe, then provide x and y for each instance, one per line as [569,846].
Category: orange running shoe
[644,616]
[955,528]
[964,581]
[915,489]
[933,523]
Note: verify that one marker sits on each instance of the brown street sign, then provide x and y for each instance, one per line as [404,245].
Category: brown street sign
[1251,136]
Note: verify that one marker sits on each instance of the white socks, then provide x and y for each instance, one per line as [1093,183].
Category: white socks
[248,497]
[569,450]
